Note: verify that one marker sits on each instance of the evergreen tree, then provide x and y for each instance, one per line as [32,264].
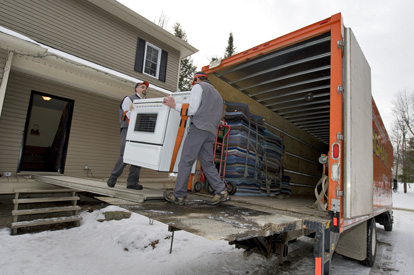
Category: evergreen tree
[230,49]
[187,68]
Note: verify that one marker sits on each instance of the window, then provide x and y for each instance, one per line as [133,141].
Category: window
[151,60]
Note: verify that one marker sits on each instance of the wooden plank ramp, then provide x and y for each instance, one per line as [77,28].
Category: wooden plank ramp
[100,188]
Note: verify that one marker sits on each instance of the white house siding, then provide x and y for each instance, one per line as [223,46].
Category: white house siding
[87,31]
[94,134]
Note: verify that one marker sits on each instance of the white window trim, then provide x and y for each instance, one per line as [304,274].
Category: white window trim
[157,73]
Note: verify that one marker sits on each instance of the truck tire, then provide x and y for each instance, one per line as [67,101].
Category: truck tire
[388,227]
[371,243]
[388,223]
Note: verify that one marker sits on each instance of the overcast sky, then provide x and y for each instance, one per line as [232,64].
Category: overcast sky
[383,29]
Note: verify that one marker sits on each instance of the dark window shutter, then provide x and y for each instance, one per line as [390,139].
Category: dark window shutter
[163,66]
[139,57]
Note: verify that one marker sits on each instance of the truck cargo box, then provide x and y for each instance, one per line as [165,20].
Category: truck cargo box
[313,89]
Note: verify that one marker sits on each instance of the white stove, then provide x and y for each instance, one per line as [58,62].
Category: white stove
[152,132]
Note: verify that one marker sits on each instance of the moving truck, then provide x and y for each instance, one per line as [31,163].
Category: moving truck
[313,89]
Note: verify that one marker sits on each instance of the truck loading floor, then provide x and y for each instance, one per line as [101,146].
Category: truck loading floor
[242,217]
[239,219]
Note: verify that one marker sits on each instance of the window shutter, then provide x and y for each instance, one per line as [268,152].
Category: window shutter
[139,57]
[163,66]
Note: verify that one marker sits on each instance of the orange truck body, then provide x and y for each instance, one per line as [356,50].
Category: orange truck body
[360,176]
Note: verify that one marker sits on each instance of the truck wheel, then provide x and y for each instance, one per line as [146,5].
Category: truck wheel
[388,223]
[198,186]
[371,243]
[231,187]
[388,227]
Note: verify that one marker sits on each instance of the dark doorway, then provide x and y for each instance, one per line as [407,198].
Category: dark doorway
[46,133]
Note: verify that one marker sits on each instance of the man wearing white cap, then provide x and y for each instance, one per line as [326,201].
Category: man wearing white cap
[124,114]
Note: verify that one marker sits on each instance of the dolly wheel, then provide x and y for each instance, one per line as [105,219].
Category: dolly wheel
[198,186]
[231,187]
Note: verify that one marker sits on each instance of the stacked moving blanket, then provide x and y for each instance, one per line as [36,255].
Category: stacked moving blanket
[254,155]
[285,186]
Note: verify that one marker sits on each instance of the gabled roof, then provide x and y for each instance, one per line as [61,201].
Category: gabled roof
[145,25]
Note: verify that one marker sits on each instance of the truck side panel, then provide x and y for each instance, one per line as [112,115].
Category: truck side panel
[383,161]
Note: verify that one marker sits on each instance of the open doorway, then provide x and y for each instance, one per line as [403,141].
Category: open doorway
[46,133]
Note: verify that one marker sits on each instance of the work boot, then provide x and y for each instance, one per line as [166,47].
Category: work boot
[111,181]
[135,186]
[169,196]
[220,197]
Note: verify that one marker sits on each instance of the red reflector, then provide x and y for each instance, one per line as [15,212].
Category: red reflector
[324,22]
[335,221]
[335,152]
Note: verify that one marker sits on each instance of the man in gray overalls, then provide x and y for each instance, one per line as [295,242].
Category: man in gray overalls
[124,113]
[205,109]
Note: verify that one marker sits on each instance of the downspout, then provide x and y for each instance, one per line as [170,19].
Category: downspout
[4,80]
[178,75]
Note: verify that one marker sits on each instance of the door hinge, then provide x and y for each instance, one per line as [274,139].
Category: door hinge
[340,90]
[339,137]
[336,205]
[340,45]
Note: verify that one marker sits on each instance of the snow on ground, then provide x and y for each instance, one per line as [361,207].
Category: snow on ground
[135,246]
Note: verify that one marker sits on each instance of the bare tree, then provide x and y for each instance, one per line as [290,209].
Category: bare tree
[162,21]
[396,139]
[403,105]
[404,108]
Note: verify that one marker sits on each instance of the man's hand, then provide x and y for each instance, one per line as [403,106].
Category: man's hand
[169,101]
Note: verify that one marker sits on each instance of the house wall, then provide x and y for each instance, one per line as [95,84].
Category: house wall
[84,30]
[94,134]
